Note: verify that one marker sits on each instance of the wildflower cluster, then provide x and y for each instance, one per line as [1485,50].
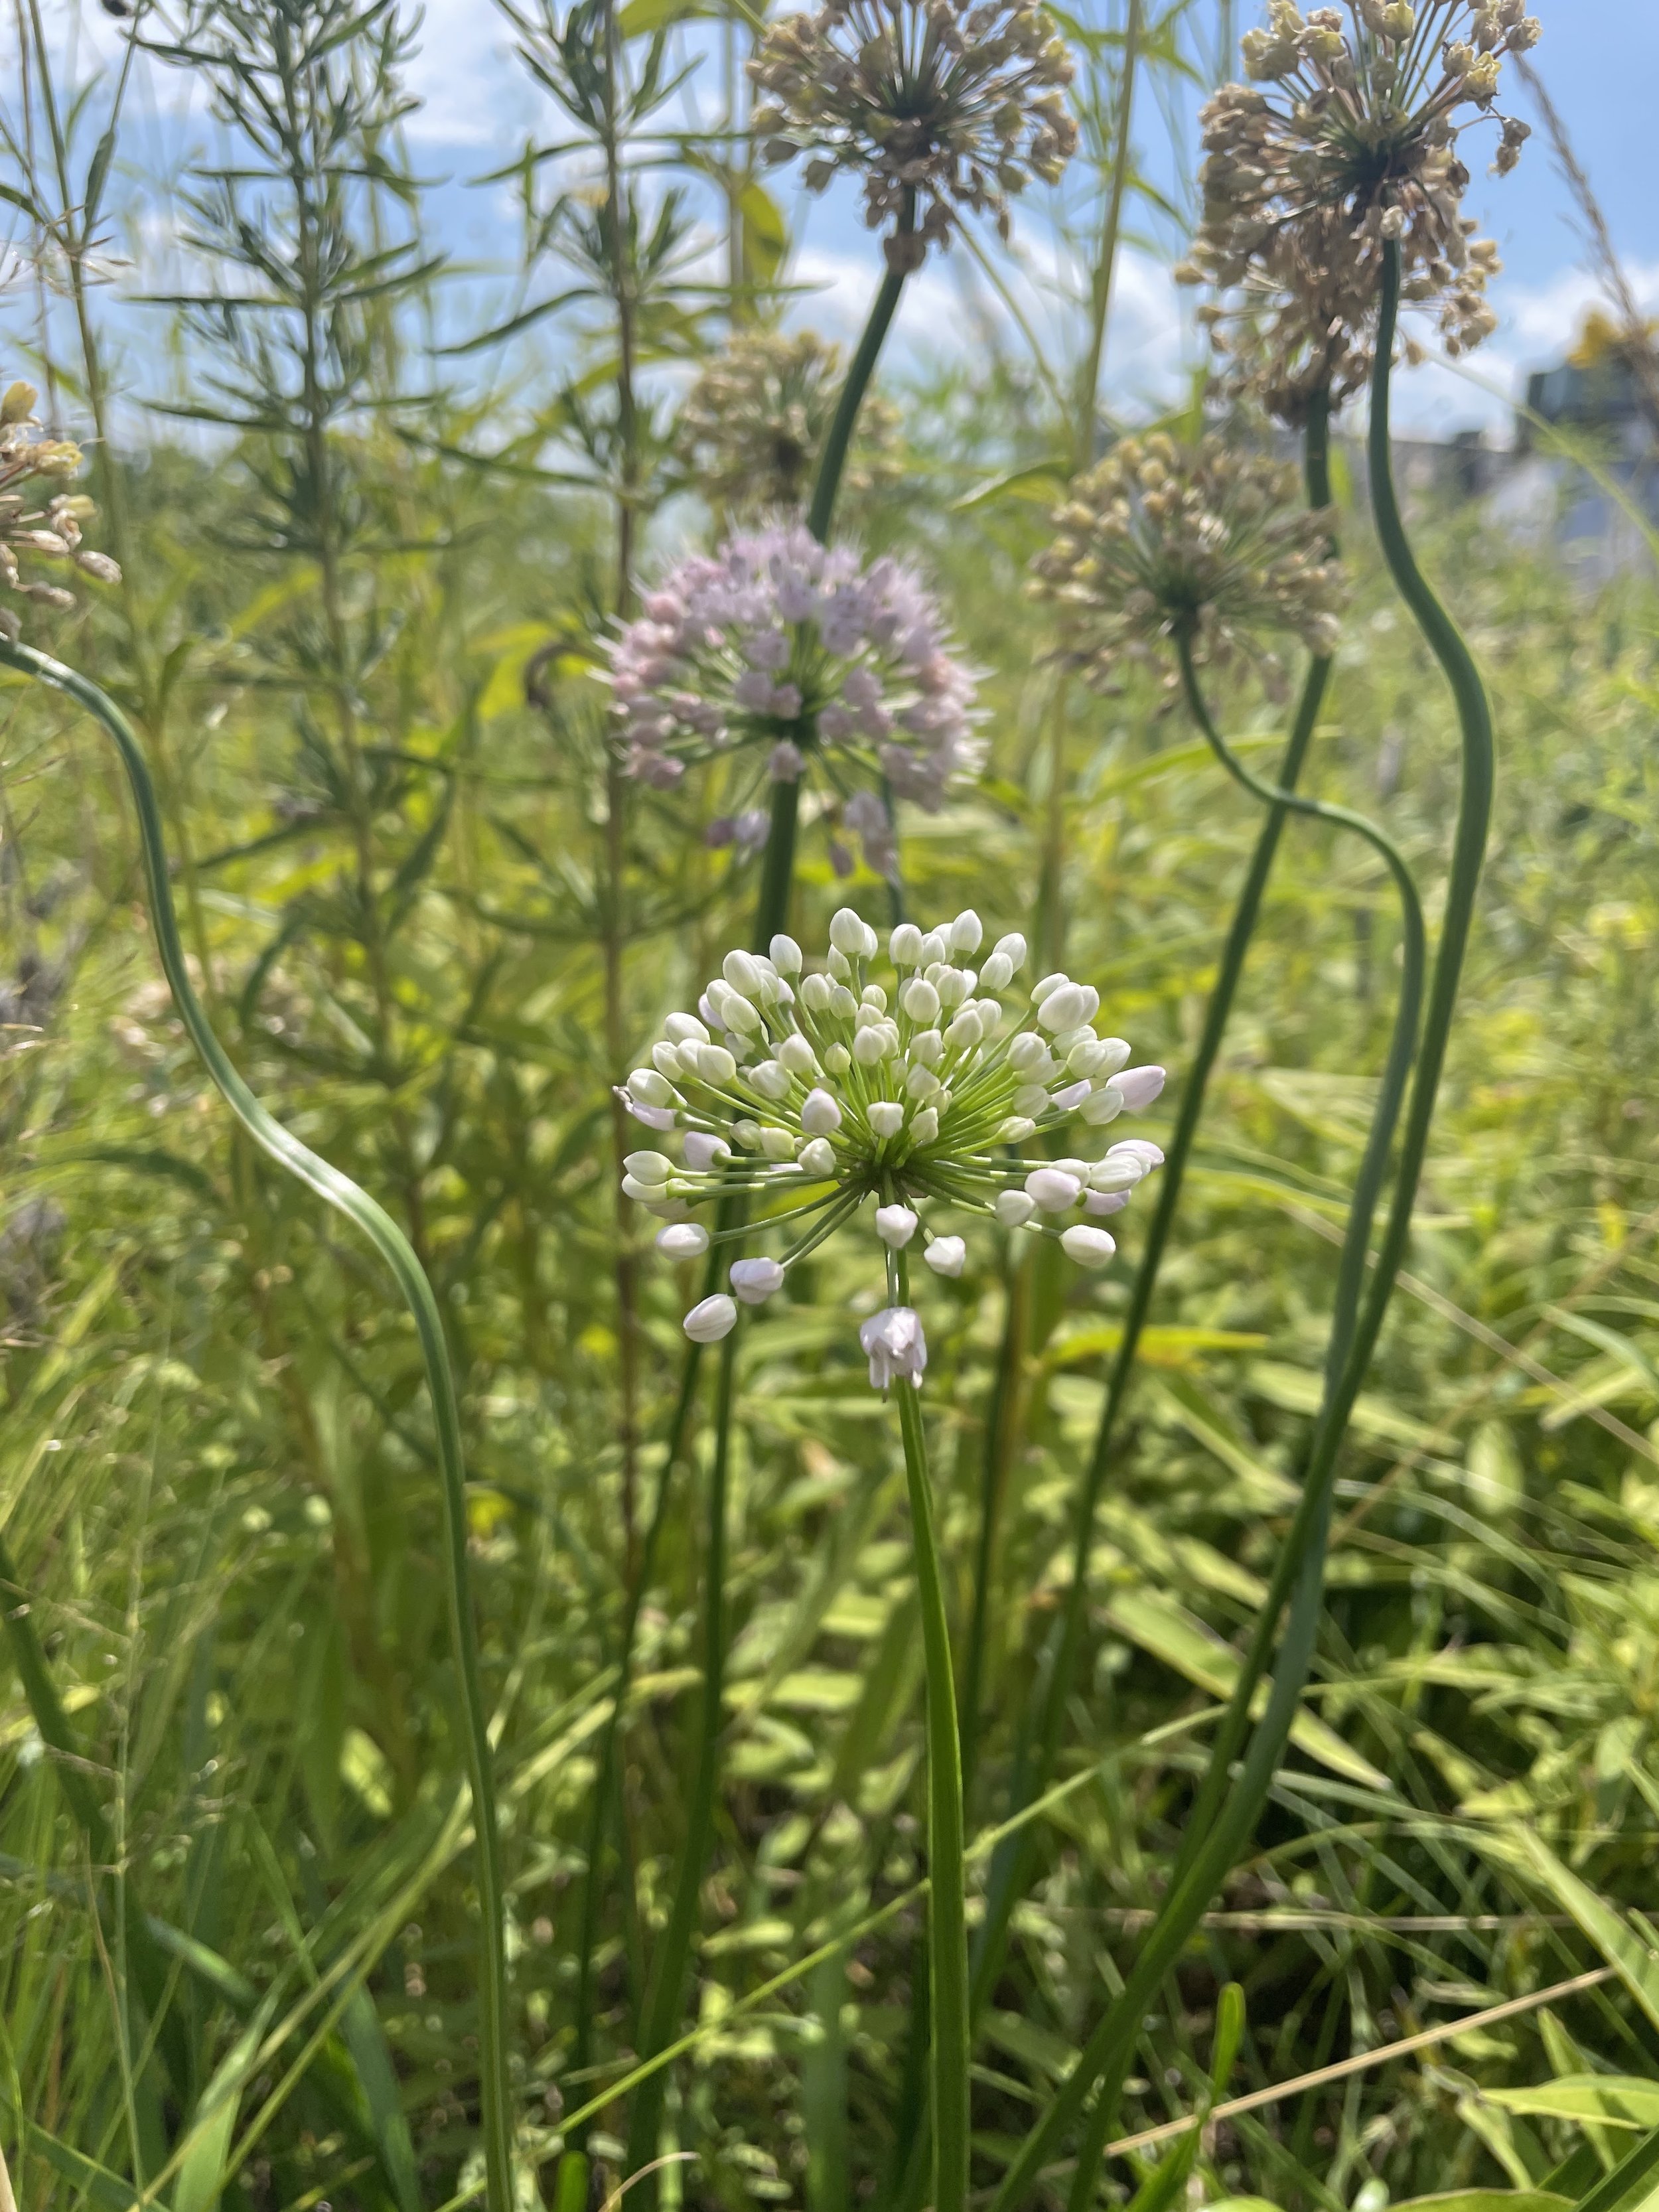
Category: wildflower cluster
[938,105]
[812,1095]
[778,642]
[1356,146]
[1161,541]
[755,421]
[52,529]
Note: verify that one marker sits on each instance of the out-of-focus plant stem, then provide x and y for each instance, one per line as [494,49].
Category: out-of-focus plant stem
[1100,302]
[416,1289]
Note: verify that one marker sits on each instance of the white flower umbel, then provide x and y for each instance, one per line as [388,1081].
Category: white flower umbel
[891,1088]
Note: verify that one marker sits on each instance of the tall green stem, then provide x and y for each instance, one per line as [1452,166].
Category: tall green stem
[660,2013]
[338,1191]
[1040,1740]
[833,460]
[1300,1574]
[665,1993]
[947,1955]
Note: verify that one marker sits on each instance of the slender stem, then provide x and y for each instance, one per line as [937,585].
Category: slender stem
[1301,1569]
[1100,306]
[778,866]
[948,1950]
[338,1191]
[667,1992]
[833,460]
[1040,1740]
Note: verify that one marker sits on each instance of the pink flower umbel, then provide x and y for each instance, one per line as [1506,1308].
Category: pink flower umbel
[808,661]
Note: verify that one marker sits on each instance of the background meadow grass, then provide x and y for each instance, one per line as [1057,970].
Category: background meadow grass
[358,634]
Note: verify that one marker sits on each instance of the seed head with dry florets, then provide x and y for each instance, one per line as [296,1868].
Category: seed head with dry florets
[802,655]
[1354,142]
[51,530]
[1160,541]
[938,105]
[815,1096]
[754,423]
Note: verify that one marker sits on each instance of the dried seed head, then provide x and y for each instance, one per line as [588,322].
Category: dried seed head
[937,104]
[1348,138]
[51,531]
[1160,541]
[754,423]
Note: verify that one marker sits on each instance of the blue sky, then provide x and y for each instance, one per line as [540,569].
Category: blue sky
[1600,58]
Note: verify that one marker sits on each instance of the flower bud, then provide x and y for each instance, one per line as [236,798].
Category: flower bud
[711,1319]
[667,1061]
[920,1001]
[967,932]
[851,936]
[946,1255]
[895,1225]
[1138,1086]
[1104,1201]
[777,1143]
[997,973]
[1089,1248]
[819,1114]
[650,1088]
[1046,986]
[1052,1189]
[703,1152]
[1101,1106]
[1026,1052]
[966,1031]
[926,1049]
[1012,949]
[771,1080]
[1013,1209]
[1063,1007]
[649,1167]
[756,1280]
[814,994]
[741,974]
[871,1046]
[1016,1129]
[715,1066]
[904,945]
[796,1055]
[818,1156]
[785,956]
[685,1028]
[683,1240]
[887,1117]
[925,1126]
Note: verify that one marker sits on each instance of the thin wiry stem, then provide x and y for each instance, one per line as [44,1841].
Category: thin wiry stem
[1040,1742]
[1214,1841]
[345,1196]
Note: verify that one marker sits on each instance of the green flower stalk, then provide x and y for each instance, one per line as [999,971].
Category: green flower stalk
[1229,1804]
[338,1191]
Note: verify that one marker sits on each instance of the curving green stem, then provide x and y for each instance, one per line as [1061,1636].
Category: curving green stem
[338,1191]
[1040,1742]
[837,444]
[1210,1852]
[947,1949]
